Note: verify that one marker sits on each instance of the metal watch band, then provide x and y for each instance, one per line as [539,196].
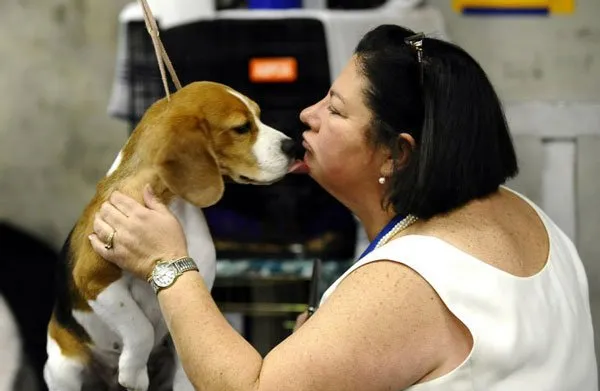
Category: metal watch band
[181,265]
[184,265]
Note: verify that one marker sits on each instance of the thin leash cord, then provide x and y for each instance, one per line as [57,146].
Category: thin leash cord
[159,49]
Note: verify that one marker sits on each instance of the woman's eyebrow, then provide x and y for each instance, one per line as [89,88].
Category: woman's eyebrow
[333,93]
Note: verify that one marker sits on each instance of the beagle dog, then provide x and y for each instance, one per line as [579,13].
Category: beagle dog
[183,148]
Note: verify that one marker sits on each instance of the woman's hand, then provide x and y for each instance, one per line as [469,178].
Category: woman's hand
[142,234]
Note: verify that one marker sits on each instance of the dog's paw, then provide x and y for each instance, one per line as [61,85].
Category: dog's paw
[134,379]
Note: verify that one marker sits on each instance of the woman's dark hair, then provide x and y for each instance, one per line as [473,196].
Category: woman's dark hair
[446,102]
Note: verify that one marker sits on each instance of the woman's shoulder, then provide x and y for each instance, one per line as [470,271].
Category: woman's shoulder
[505,231]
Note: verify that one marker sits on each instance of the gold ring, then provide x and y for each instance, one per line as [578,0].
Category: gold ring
[109,240]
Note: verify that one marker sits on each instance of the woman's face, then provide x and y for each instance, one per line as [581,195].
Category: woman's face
[338,154]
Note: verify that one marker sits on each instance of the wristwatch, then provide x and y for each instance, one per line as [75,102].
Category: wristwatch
[165,273]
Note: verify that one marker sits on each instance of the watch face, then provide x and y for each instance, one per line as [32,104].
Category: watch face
[164,274]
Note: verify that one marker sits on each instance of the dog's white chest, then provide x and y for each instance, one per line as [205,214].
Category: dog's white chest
[200,244]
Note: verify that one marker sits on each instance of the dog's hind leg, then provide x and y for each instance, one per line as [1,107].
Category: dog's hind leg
[117,309]
[67,359]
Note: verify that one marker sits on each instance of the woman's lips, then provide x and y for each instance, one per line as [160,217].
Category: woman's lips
[300,166]
[306,145]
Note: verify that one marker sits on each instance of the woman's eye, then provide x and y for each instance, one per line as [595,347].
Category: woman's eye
[332,110]
[245,128]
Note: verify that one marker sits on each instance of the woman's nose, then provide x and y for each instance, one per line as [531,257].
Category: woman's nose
[309,115]
[306,114]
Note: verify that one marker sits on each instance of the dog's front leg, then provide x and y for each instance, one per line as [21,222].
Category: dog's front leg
[180,379]
[116,307]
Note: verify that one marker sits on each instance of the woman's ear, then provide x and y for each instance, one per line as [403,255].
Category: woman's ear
[409,140]
[187,163]
[405,147]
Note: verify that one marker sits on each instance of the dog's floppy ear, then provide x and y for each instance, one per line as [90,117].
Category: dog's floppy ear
[187,163]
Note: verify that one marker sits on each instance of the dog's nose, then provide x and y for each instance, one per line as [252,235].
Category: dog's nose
[287,146]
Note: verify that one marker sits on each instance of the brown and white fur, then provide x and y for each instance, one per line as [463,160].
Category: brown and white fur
[183,148]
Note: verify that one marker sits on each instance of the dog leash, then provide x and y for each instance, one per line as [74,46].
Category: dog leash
[159,49]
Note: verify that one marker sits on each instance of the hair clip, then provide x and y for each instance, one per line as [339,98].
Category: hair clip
[416,42]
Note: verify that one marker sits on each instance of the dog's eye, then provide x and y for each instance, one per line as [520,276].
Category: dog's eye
[245,128]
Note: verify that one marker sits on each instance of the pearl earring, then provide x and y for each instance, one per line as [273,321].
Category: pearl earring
[382,180]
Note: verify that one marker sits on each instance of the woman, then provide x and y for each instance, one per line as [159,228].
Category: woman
[466,285]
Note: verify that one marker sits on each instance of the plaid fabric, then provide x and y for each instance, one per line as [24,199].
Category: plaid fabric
[137,82]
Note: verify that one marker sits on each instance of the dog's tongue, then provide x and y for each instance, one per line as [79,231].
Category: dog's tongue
[298,167]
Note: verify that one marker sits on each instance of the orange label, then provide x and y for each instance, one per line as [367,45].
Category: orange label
[273,70]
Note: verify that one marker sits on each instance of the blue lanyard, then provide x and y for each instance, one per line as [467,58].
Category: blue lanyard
[388,227]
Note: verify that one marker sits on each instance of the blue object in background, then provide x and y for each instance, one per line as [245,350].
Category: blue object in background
[274,4]
[485,11]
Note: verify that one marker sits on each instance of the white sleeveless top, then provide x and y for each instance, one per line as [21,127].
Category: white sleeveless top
[530,333]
